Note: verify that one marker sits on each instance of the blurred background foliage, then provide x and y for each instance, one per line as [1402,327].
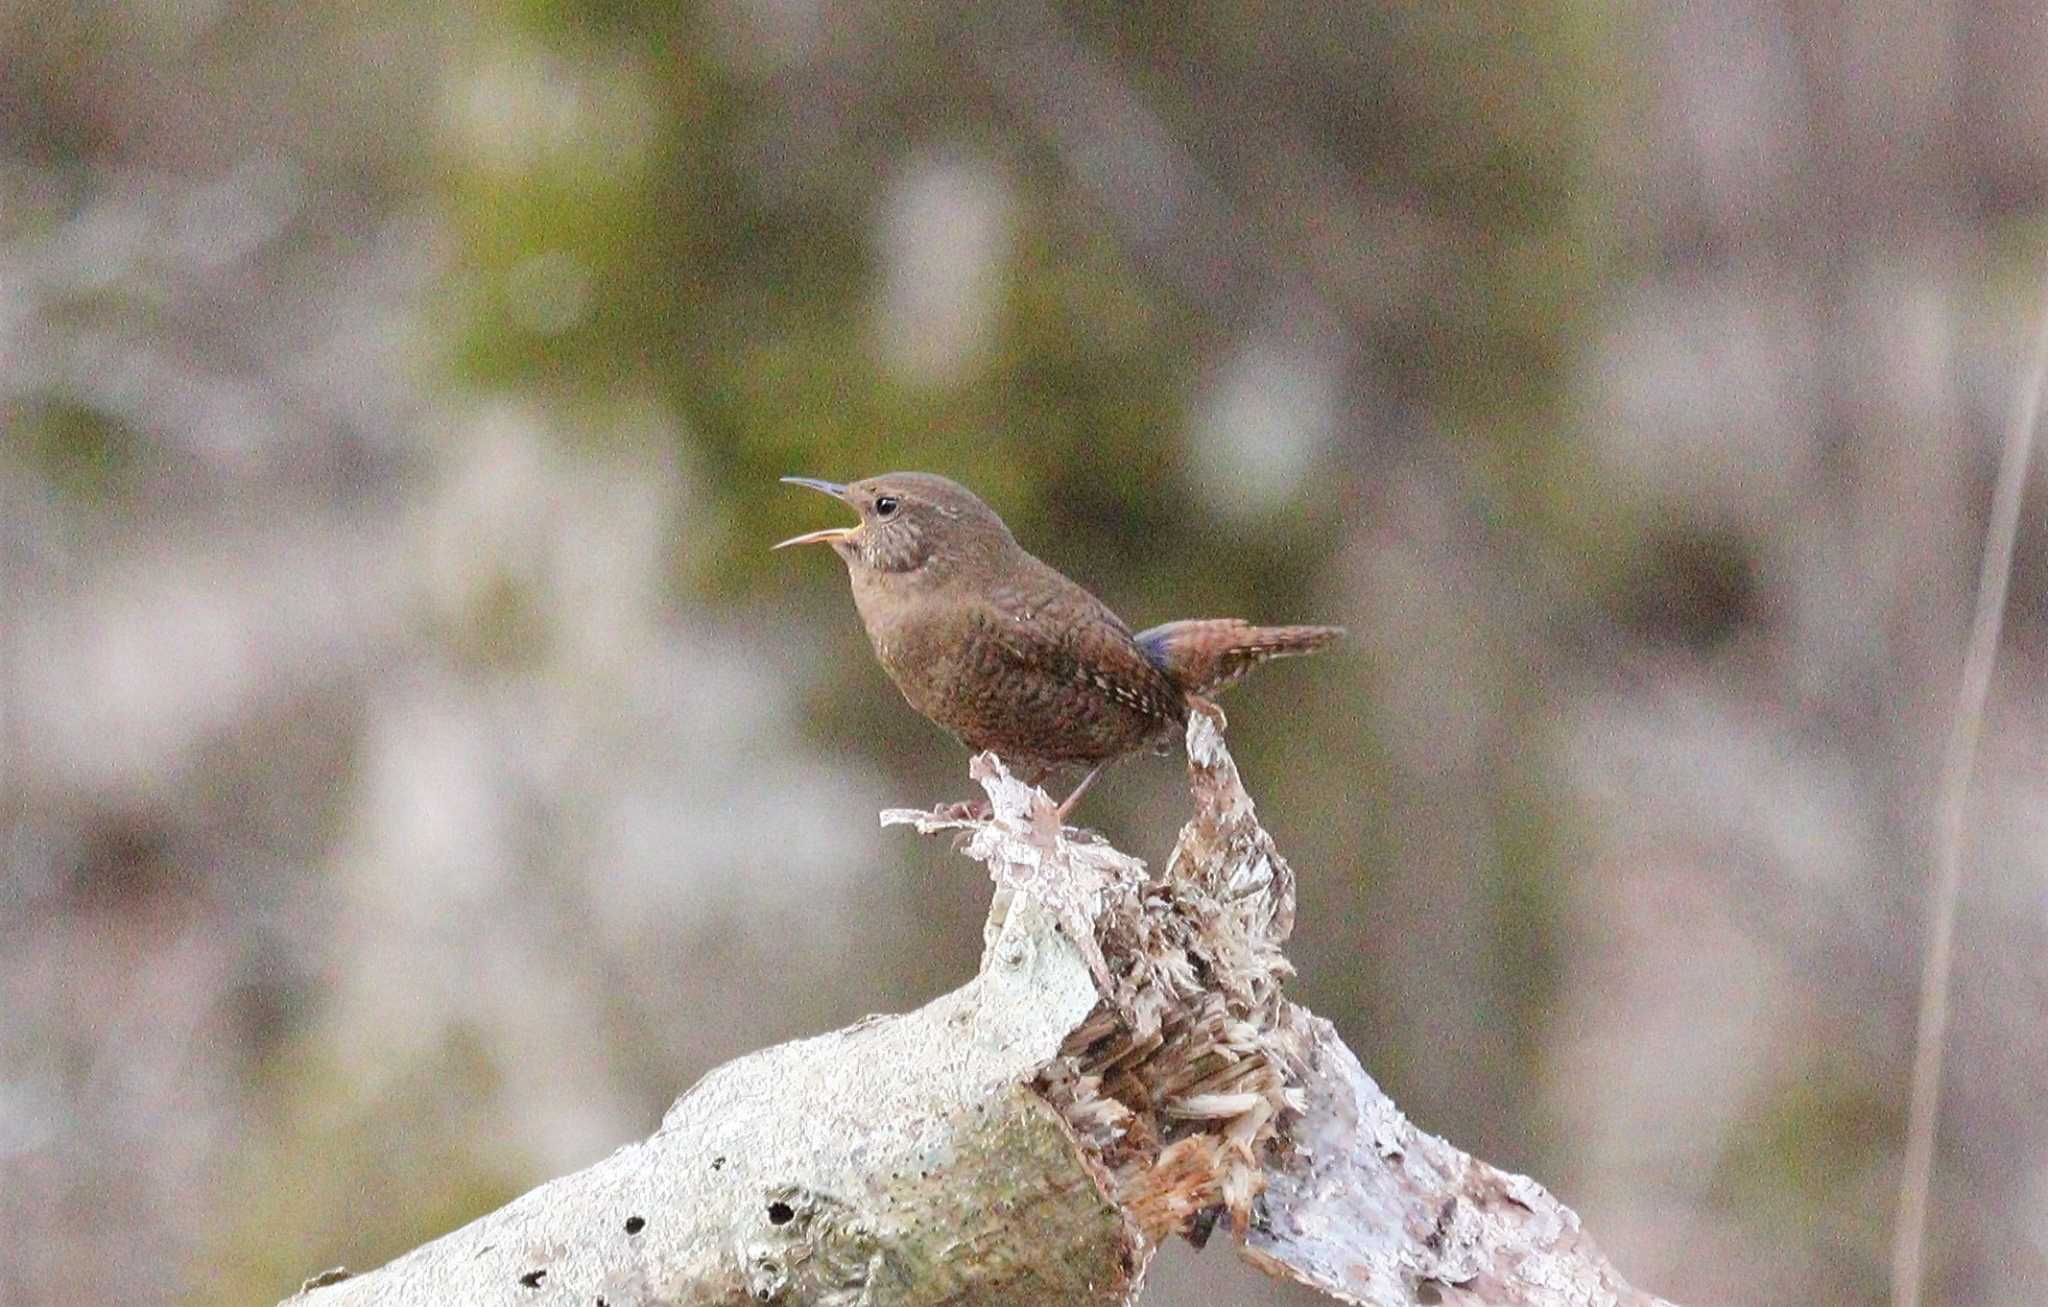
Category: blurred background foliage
[416,769]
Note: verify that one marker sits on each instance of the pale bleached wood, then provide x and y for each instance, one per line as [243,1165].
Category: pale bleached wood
[1124,1068]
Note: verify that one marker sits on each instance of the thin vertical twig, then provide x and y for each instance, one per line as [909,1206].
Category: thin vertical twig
[1909,1235]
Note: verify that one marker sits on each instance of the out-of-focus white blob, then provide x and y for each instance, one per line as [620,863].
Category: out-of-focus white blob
[516,107]
[222,223]
[1705,390]
[523,106]
[1732,139]
[122,680]
[1264,417]
[945,235]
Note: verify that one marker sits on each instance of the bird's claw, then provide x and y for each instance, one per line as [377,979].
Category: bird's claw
[964,810]
[1211,709]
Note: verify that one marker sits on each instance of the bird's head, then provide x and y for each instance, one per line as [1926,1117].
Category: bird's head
[910,523]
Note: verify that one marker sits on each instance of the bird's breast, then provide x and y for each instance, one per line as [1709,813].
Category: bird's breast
[912,634]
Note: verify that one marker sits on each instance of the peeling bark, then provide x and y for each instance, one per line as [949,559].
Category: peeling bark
[1124,1068]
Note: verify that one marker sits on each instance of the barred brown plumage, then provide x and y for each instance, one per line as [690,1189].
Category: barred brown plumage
[1008,654]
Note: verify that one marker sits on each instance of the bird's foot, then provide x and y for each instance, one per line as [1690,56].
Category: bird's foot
[960,818]
[1211,709]
[964,810]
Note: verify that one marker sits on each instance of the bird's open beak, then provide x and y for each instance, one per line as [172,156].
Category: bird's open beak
[825,537]
[830,533]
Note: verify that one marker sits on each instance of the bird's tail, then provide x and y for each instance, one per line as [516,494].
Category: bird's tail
[1204,655]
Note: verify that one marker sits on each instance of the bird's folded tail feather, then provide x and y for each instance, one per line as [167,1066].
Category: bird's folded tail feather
[1203,655]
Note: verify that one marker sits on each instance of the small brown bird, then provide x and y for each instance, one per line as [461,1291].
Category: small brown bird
[1008,654]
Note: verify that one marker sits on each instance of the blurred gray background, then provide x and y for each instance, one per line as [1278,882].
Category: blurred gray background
[414,770]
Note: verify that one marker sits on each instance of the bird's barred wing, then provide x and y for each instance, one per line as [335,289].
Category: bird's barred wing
[1073,639]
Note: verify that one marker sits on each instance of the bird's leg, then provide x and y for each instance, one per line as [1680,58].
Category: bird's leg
[1068,804]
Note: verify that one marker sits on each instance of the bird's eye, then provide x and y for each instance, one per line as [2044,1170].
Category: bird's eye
[886,506]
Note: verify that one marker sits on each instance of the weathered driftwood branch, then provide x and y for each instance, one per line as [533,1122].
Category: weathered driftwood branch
[1124,1068]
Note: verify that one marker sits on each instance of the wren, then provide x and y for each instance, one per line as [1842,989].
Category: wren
[1009,655]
